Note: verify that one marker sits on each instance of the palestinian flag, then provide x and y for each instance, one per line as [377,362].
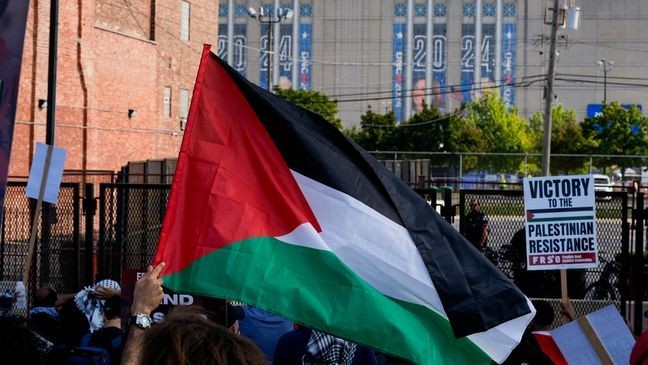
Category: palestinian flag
[274,207]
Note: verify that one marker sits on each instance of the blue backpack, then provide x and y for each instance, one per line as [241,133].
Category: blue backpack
[91,355]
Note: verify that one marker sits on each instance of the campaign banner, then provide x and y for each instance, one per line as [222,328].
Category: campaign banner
[285,56]
[508,64]
[305,52]
[13,19]
[420,59]
[398,70]
[264,56]
[487,62]
[239,61]
[560,222]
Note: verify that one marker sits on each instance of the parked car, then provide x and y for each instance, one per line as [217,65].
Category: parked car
[604,184]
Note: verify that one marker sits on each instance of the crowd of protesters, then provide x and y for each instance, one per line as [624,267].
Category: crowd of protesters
[86,328]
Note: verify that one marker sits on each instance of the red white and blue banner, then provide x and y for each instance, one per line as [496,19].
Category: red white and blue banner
[508,64]
[420,55]
[239,62]
[438,64]
[398,70]
[285,56]
[468,59]
[305,51]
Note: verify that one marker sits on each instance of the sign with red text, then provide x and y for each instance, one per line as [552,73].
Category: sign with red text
[560,222]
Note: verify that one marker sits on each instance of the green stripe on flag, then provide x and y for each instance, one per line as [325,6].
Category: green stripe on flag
[315,288]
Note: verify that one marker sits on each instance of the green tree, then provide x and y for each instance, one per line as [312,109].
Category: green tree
[489,125]
[426,131]
[566,138]
[314,101]
[618,131]
[377,132]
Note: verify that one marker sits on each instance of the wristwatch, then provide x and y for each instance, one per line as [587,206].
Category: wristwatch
[141,320]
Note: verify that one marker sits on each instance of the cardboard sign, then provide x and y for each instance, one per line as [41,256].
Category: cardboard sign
[54,173]
[560,222]
[601,337]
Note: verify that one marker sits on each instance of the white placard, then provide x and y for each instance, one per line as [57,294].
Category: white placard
[54,173]
[560,222]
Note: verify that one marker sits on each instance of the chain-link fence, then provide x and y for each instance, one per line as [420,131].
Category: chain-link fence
[591,289]
[56,259]
[131,218]
[131,215]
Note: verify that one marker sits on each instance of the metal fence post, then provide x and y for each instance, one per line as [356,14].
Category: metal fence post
[89,208]
[637,264]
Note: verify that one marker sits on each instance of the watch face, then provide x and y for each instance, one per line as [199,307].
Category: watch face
[143,321]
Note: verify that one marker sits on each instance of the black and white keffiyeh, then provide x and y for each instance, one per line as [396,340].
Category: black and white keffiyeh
[323,349]
[50,311]
[92,306]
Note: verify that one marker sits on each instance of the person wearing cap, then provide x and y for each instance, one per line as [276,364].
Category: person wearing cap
[91,300]
[477,225]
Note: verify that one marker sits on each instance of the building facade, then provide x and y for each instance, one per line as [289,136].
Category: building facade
[359,52]
[126,71]
[126,68]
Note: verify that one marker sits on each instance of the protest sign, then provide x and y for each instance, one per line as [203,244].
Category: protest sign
[601,337]
[560,222]
[217,307]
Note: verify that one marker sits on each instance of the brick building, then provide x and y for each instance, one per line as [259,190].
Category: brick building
[113,56]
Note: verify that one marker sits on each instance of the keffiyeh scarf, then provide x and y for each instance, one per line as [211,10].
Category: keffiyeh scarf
[92,306]
[323,349]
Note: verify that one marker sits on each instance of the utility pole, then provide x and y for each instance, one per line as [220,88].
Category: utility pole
[551,73]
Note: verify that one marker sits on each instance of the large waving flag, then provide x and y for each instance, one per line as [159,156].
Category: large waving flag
[273,206]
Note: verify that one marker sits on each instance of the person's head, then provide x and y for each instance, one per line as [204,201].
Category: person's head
[45,297]
[284,83]
[112,307]
[420,92]
[187,336]
[418,95]
[474,205]
[222,312]
[544,315]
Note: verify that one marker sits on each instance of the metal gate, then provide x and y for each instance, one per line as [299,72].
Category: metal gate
[619,235]
[57,255]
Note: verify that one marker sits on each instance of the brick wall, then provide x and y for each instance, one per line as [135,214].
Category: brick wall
[112,56]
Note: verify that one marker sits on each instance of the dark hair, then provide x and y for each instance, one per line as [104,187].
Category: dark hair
[112,307]
[187,337]
[45,297]
[545,312]
[221,311]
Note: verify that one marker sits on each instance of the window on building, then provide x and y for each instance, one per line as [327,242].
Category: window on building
[184,107]
[166,102]
[184,20]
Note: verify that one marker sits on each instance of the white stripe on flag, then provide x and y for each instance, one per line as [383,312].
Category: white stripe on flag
[383,254]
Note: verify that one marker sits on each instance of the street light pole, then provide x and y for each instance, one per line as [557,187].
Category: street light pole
[276,16]
[605,66]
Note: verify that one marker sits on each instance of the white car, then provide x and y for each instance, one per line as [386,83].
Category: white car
[603,183]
